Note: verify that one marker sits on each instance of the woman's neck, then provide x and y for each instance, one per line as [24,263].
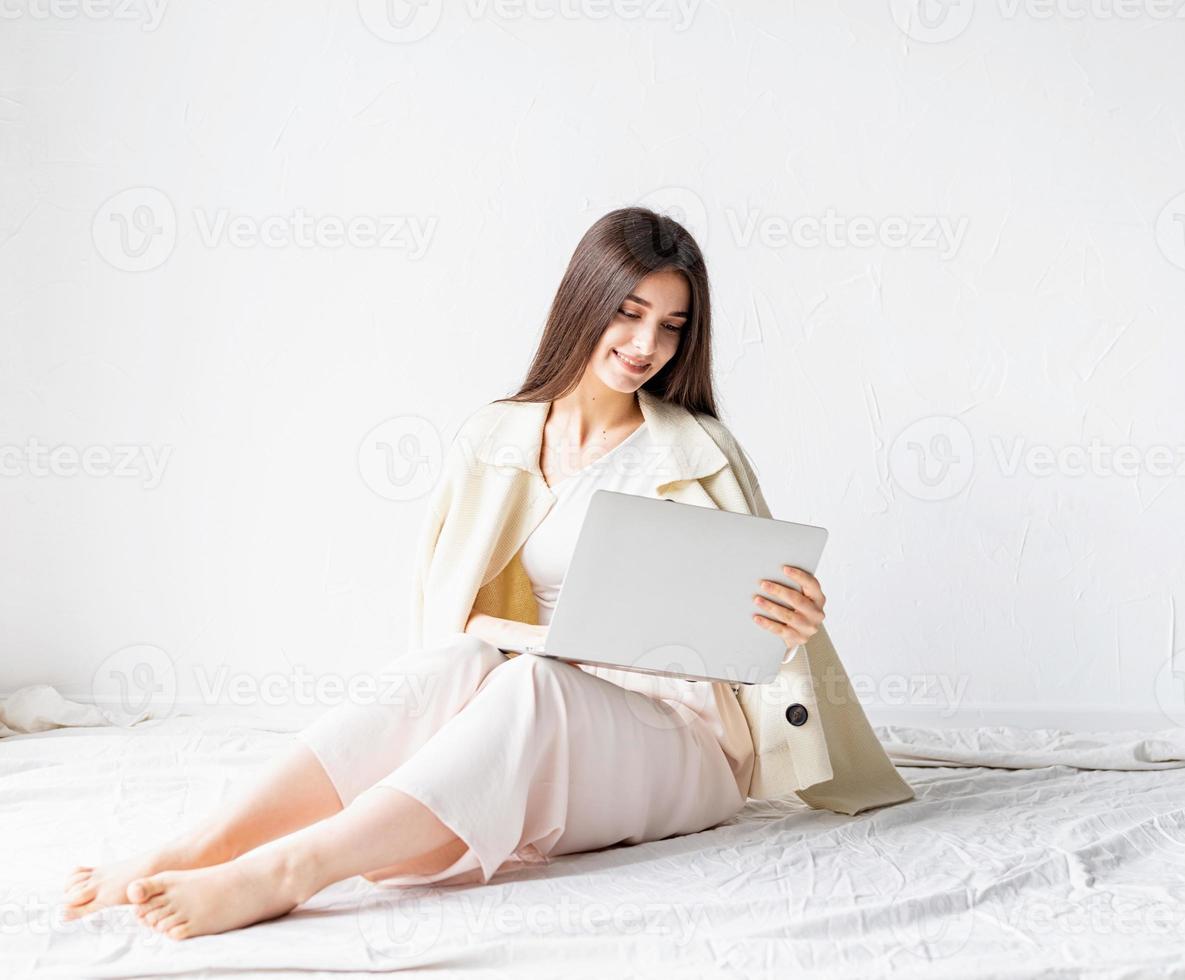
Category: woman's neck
[585,415]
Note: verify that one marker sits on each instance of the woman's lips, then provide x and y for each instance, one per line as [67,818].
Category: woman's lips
[630,367]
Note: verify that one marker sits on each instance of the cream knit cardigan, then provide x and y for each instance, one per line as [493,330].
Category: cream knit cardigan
[490,496]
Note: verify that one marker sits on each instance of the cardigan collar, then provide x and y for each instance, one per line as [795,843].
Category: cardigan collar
[685,449]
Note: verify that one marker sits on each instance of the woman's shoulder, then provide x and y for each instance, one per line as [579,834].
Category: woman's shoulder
[483,418]
[721,435]
[738,459]
[475,429]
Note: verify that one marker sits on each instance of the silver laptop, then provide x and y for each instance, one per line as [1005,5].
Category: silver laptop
[662,587]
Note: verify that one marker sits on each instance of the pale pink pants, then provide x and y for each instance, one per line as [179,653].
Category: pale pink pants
[523,757]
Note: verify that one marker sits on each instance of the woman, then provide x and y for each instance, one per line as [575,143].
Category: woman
[506,760]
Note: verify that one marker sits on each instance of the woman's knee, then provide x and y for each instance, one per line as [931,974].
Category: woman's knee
[537,672]
[456,649]
[461,644]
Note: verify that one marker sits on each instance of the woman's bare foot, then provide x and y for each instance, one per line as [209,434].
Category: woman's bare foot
[260,885]
[89,889]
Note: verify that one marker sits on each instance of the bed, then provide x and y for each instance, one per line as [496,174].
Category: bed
[1025,854]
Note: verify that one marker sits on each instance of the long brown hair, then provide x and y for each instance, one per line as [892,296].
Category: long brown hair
[615,254]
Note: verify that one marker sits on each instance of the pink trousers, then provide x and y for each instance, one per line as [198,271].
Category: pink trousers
[523,757]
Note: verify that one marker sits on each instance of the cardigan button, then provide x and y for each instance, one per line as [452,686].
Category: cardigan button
[797,715]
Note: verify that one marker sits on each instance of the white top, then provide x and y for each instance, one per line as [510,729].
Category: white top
[548,551]
[628,467]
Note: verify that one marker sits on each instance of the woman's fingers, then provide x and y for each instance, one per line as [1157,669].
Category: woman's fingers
[792,636]
[805,604]
[808,583]
[792,614]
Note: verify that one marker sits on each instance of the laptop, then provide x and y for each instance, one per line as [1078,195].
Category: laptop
[663,587]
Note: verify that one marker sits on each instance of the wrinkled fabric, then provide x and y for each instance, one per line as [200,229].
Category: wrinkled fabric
[988,873]
[526,757]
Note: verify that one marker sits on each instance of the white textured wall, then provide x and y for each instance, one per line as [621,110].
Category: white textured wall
[937,242]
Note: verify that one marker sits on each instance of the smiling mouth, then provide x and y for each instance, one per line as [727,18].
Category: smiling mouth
[630,363]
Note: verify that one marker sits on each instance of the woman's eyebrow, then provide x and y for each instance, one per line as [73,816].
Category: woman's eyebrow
[642,302]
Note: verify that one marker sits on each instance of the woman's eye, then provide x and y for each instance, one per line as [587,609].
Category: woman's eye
[632,316]
[674,326]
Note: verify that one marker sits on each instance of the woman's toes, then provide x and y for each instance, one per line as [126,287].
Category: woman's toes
[142,889]
[179,931]
[81,893]
[153,910]
[157,916]
[152,904]
[167,923]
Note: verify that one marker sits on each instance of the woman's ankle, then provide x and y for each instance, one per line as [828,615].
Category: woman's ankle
[208,847]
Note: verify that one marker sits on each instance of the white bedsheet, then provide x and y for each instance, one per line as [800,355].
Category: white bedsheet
[990,872]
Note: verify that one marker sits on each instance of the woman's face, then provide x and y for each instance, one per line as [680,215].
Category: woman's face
[644,331]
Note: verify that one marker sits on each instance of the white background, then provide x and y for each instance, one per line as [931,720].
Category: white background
[1019,170]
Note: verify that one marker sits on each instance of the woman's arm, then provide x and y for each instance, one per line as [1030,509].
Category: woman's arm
[504,633]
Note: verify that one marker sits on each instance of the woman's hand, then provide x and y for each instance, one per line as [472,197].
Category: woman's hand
[795,616]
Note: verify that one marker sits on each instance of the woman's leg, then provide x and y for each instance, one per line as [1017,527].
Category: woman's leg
[343,752]
[382,826]
[544,755]
[292,793]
